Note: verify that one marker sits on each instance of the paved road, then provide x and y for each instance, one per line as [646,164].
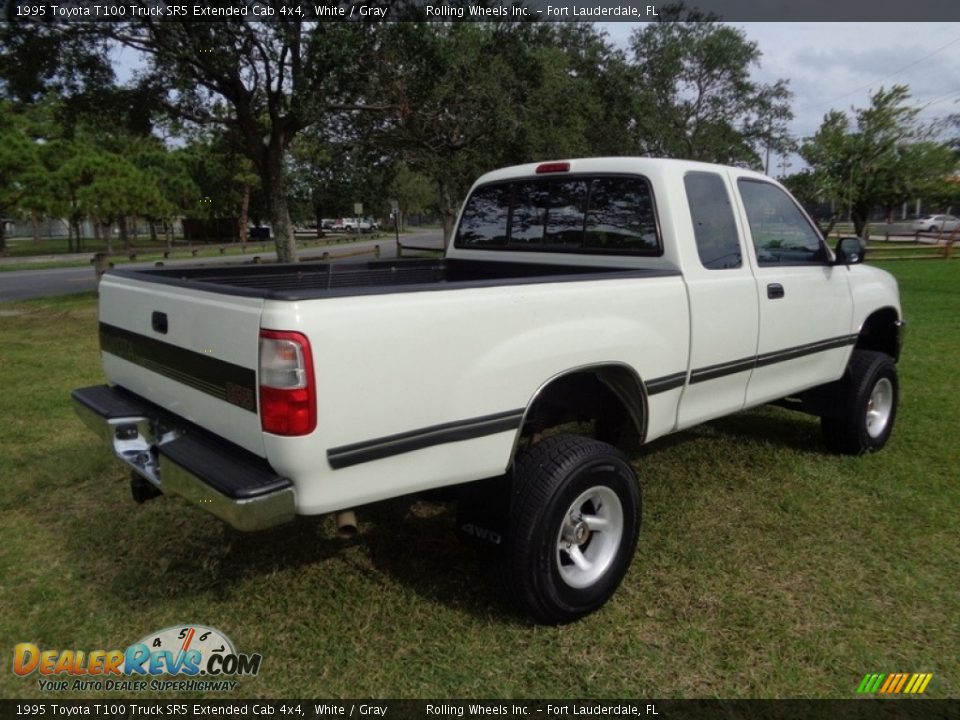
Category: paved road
[27,284]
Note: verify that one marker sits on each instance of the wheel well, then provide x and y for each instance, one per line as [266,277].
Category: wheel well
[611,397]
[881,332]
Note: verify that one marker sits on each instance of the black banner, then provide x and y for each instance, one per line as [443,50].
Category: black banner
[117,709]
[478,10]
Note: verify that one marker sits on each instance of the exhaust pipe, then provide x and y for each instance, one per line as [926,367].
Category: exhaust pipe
[346,524]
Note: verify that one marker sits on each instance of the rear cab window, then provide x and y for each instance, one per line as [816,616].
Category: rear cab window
[595,214]
[714,227]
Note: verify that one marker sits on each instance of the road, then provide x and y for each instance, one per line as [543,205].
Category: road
[28,284]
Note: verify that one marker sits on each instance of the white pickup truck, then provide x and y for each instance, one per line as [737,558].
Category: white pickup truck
[631,296]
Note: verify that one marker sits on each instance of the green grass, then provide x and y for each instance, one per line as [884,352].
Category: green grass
[766,567]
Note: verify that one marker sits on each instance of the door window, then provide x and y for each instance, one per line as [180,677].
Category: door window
[782,235]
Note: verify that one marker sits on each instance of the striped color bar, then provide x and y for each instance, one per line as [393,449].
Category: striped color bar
[895,683]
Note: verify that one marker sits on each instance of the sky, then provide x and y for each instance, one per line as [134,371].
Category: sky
[839,65]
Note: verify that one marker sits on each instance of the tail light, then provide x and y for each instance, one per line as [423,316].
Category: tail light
[552,167]
[288,401]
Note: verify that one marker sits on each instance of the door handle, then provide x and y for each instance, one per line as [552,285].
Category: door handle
[775,291]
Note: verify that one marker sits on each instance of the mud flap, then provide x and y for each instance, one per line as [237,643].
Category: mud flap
[483,511]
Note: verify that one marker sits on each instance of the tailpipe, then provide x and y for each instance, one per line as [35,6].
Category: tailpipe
[346,524]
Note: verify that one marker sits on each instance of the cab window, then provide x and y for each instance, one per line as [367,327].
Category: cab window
[714,227]
[585,214]
[782,235]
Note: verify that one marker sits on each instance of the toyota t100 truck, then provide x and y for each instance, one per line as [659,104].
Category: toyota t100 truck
[627,298]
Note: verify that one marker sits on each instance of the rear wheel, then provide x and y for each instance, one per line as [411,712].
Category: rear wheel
[864,408]
[575,515]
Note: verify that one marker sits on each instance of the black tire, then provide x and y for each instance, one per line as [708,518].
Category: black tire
[864,406]
[549,478]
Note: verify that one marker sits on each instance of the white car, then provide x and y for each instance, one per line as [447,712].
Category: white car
[936,223]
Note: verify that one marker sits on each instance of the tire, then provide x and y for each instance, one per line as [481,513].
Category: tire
[864,405]
[557,483]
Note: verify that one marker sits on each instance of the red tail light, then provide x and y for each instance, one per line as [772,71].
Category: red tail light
[288,400]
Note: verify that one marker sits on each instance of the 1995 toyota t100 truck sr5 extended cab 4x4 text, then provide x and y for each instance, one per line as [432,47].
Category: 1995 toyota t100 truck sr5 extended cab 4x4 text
[638,296]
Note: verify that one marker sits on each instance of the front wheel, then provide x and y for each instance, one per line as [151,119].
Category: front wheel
[865,405]
[574,515]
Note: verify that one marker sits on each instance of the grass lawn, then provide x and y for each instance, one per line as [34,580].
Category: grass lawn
[766,567]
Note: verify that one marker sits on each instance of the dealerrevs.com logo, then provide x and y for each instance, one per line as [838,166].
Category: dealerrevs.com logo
[203,656]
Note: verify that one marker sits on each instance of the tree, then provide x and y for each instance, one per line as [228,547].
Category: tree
[883,157]
[19,165]
[413,192]
[339,164]
[37,58]
[107,188]
[167,171]
[266,82]
[694,97]
[472,97]
[599,88]
[455,113]
[223,177]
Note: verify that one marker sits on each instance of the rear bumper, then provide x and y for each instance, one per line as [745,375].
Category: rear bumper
[179,458]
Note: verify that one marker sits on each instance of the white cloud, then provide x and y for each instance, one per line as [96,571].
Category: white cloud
[839,65]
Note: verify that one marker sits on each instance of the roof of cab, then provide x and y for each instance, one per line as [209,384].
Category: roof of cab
[642,165]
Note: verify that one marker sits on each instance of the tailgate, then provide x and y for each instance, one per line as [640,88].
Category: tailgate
[190,351]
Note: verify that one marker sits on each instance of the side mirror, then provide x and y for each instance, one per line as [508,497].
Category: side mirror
[850,251]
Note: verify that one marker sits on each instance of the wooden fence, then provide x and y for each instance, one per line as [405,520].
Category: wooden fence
[942,249]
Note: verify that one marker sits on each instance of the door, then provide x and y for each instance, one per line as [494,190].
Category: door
[805,305]
[723,303]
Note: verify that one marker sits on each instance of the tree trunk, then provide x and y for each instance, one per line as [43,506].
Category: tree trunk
[78,233]
[448,213]
[275,186]
[3,236]
[36,229]
[860,216]
[106,231]
[153,232]
[124,232]
[826,233]
[244,222]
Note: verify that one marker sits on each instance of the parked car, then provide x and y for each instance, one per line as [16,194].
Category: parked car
[258,232]
[637,296]
[936,223]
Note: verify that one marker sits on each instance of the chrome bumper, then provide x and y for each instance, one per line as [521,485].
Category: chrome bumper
[180,459]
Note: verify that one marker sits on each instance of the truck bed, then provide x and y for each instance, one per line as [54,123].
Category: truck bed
[302,281]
